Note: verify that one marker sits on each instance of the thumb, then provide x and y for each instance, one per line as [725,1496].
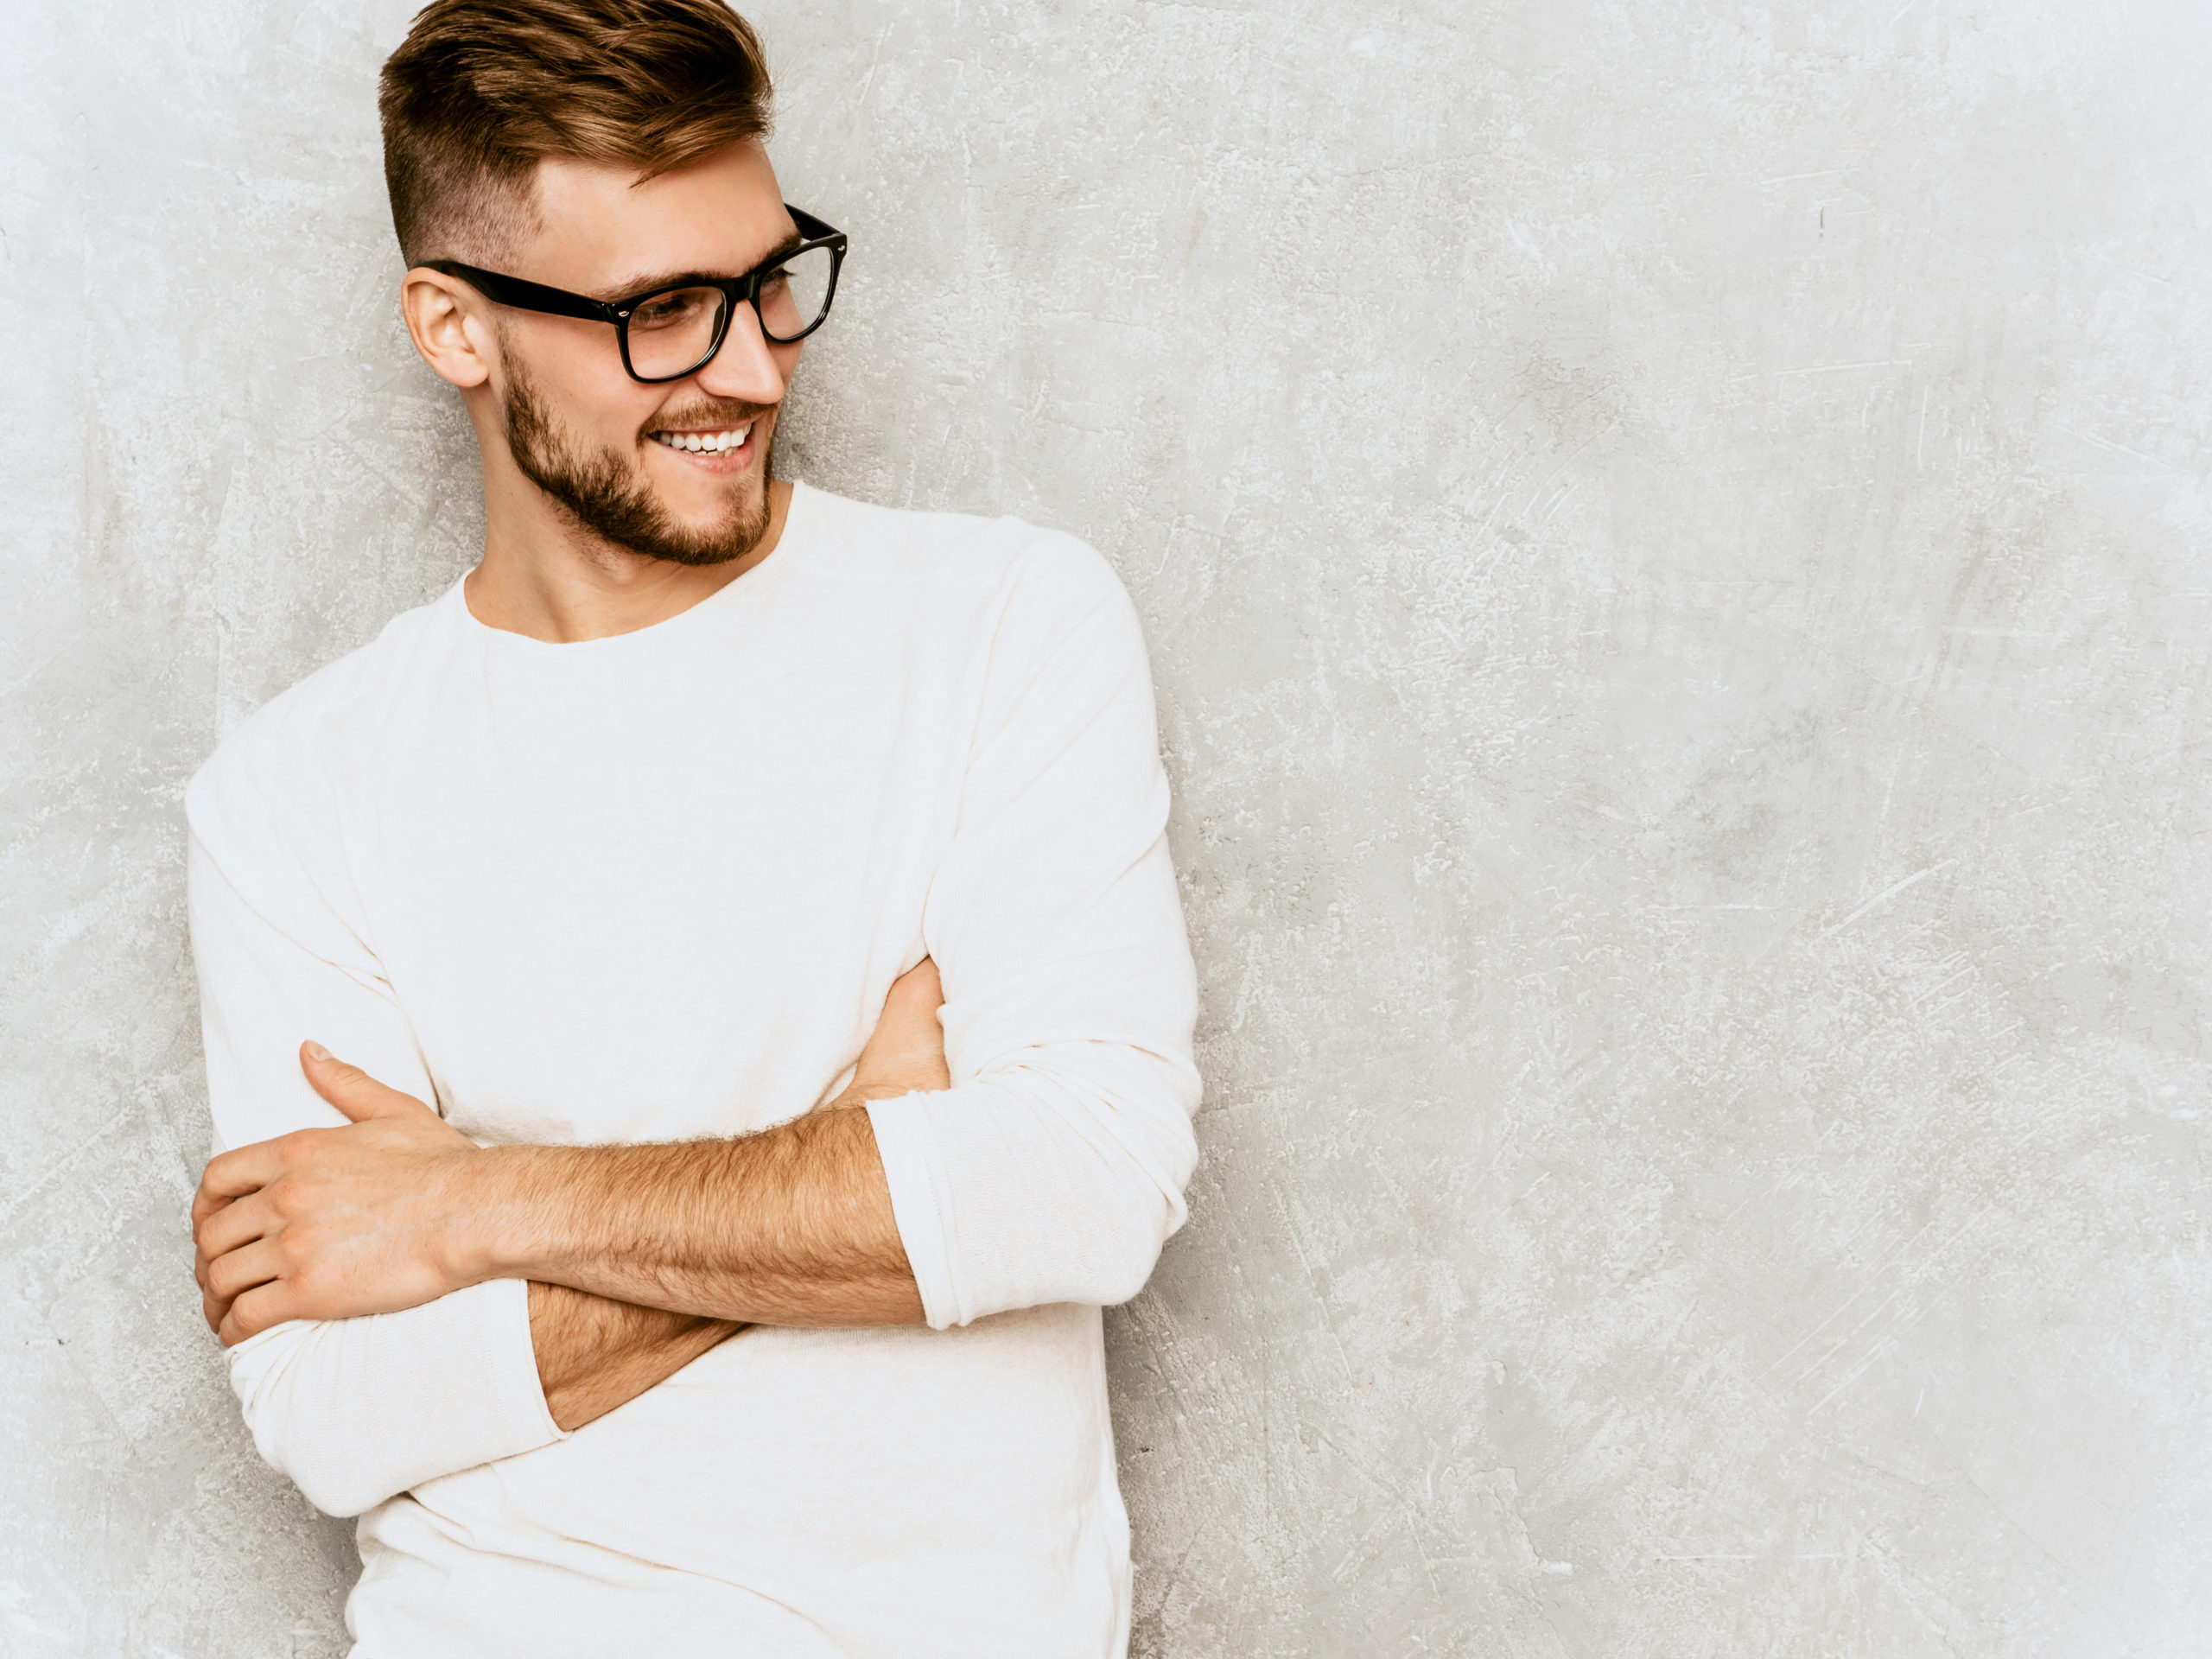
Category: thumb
[351,1089]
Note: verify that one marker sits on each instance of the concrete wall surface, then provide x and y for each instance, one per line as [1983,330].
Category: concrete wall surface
[1673,536]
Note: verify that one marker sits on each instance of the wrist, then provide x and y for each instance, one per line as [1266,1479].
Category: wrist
[499,1237]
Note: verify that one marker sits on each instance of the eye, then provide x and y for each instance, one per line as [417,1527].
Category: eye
[674,308]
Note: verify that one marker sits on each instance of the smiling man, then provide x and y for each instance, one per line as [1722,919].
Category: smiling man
[698,1017]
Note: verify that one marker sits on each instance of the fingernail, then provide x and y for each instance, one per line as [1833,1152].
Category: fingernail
[317,1052]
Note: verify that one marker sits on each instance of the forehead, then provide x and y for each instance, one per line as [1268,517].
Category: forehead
[600,231]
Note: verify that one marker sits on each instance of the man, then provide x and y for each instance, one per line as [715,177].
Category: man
[612,1219]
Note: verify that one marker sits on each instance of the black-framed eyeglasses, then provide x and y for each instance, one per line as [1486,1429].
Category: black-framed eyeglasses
[668,332]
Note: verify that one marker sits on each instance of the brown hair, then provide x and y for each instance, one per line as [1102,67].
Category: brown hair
[480,90]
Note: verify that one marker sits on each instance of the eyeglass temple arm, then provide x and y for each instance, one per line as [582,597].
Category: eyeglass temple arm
[812,229]
[558,301]
[524,294]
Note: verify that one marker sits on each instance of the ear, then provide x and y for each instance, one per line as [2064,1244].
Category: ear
[448,322]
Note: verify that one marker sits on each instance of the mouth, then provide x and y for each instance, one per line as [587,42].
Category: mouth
[718,448]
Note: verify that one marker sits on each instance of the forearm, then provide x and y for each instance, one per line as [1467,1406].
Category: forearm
[793,1226]
[595,1354]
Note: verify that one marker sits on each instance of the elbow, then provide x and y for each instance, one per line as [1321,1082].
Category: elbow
[1138,1205]
[1124,1247]
[335,1493]
[1096,1246]
[1035,1186]
[328,1483]
[1119,1201]
[315,1463]
[357,1411]
[283,1380]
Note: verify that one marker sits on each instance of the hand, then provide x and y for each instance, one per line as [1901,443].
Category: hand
[907,1051]
[329,1224]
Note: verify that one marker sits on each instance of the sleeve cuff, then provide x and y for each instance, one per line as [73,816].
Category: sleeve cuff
[514,1356]
[921,1193]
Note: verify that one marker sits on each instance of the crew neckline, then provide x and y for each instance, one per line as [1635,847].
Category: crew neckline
[798,518]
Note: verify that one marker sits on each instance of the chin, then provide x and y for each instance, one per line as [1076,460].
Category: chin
[711,539]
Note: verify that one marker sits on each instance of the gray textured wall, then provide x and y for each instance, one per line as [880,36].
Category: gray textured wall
[1673,536]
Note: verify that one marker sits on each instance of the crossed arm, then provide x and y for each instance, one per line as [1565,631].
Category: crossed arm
[639,1258]
[512,1293]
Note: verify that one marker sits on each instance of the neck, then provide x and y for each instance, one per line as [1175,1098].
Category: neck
[551,580]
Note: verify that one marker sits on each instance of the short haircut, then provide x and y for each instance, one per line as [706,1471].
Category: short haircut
[480,91]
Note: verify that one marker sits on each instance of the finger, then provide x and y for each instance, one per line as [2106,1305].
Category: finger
[352,1091]
[212,1308]
[254,1312]
[233,1174]
[231,1276]
[205,1204]
[233,1226]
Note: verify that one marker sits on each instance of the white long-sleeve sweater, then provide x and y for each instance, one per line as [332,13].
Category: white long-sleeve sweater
[656,886]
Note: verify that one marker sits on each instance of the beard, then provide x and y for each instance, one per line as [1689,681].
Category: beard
[607,493]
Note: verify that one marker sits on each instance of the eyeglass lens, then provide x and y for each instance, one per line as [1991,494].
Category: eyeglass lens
[670,333]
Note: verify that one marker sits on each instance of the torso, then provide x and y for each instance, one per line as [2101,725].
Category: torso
[655,886]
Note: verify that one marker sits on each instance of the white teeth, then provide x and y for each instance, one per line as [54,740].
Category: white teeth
[710,443]
[713,443]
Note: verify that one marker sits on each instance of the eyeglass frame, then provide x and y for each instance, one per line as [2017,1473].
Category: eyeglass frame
[521,295]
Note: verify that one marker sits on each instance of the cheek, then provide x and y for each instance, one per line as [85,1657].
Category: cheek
[616,421]
[586,390]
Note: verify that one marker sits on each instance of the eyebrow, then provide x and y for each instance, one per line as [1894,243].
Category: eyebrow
[654,282]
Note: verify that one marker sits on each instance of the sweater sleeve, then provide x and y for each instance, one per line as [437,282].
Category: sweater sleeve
[1053,1169]
[355,1411]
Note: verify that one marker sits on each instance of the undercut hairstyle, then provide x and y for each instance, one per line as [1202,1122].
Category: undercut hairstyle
[480,91]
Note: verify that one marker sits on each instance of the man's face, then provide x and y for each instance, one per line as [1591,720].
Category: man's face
[579,427]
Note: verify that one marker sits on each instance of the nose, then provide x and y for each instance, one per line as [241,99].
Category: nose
[748,368]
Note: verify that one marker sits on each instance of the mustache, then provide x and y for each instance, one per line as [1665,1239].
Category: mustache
[712,411]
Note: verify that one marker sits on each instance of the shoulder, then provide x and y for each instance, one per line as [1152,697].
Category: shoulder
[1023,572]
[293,748]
